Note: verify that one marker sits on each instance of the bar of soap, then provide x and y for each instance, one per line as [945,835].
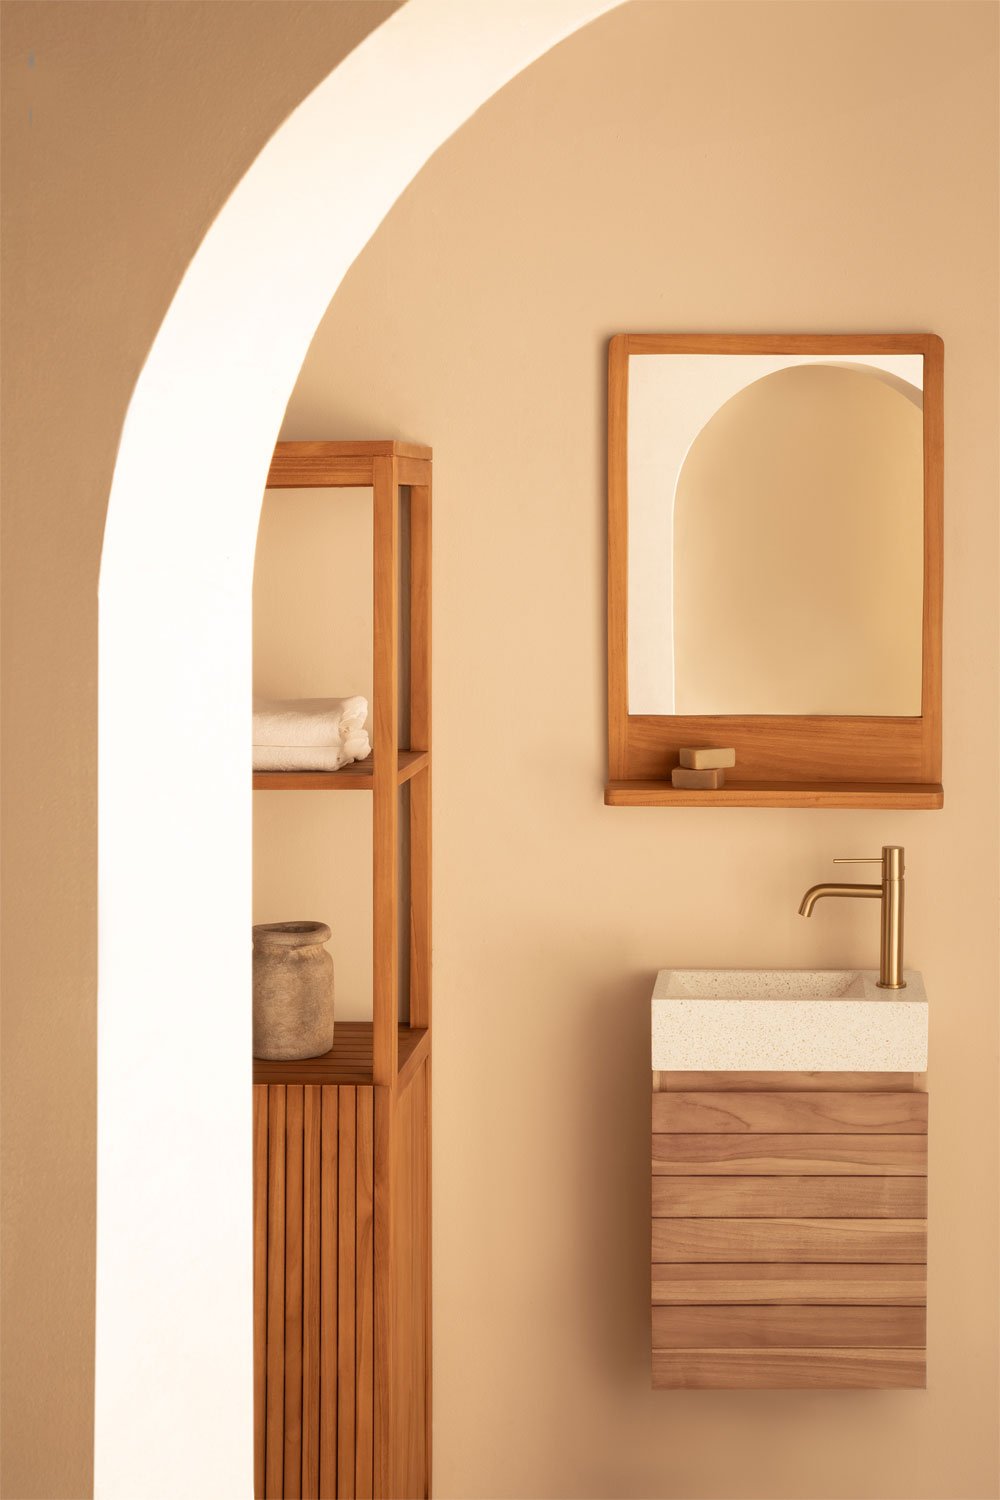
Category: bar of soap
[682,776]
[705,759]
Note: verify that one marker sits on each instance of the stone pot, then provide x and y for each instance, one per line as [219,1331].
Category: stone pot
[292,990]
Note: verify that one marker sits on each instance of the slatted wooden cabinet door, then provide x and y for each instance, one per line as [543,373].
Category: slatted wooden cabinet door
[313,1164]
[789,1234]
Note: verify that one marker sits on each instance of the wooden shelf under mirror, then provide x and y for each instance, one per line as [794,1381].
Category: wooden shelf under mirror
[802,631]
[900,794]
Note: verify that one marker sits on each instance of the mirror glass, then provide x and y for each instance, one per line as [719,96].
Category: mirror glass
[775,534]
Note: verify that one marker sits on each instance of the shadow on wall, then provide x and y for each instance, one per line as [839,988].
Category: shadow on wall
[613,1168]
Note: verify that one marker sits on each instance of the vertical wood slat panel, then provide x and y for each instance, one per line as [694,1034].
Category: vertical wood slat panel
[328,1240]
[294,1103]
[274,1452]
[310,1291]
[259,1284]
[364,1262]
[384,1331]
[346,1289]
[427,1219]
[409,1471]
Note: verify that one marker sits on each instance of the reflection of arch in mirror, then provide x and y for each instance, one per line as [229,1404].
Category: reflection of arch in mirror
[798,549]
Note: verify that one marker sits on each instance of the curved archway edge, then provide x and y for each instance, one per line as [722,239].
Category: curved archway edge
[173,1402]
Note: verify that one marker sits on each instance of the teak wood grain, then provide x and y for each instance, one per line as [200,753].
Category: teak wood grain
[313,1169]
[311,1288]
[792,1327]
[790,1197]
[788,1219]
[760,1155]
[274,1475]
[789,1369]
[728,1111]
[861,1241]
[357,777]
[364,1317]
[329,1288]
[385,1288]
[412,1269]
[260,1235]
[779,1284]
[809,760]
[826,1083]
[385,801]
[420,739]
[347,1137]
[911,796]
[324,464]
[294,1120]
[349,1060]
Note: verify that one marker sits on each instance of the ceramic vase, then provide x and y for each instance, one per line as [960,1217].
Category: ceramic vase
[292,990]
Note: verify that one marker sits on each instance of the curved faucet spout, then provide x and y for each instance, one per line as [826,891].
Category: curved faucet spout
[890,893]
[815,892]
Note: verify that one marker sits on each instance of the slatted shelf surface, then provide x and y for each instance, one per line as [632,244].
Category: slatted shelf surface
[348,1061]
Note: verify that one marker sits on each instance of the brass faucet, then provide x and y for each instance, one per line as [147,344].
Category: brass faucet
[890,893]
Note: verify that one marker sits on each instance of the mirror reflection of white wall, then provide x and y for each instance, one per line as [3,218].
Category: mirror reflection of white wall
[775,534]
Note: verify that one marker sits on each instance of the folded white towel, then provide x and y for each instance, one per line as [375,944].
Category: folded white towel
[309,734]
[307,721]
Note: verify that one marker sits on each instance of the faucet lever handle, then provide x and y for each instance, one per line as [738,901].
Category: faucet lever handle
[871,859]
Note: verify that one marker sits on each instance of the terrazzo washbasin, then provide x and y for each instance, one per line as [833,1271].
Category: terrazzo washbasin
[787,1020]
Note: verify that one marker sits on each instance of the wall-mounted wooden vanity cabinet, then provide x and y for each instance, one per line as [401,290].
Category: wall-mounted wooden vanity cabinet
[775,567]
[789,1231]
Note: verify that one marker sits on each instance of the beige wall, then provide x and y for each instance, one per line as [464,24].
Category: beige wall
[702,166]
[313,639]
[698,167]
[124,128]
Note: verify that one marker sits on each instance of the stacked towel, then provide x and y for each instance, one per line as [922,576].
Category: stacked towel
[309,734]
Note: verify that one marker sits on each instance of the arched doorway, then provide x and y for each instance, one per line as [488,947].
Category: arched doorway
[173,1408]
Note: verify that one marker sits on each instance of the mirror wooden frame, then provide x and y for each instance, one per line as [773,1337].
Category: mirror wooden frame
[781,761]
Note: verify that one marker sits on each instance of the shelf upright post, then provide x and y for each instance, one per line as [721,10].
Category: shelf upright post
[385,958]
[420,863]
[420,739]
[385,790]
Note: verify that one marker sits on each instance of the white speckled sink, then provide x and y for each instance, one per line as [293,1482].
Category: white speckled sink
[787,1020]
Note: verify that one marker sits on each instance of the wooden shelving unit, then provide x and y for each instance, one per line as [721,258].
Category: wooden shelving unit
[342,1267]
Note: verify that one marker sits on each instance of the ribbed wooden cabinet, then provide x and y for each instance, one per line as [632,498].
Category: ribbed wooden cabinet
[789,1231]
[341,1143]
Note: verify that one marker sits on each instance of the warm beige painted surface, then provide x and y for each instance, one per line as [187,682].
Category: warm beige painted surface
[124,128]
[695,165]
[751,167]
[313,639]
[798,550]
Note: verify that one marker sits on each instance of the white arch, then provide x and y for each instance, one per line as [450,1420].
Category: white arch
[173,1404]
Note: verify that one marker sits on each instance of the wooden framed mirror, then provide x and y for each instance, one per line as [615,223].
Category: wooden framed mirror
[775,567]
